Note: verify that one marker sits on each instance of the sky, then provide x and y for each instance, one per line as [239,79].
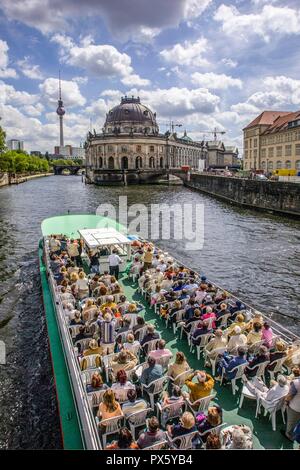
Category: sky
[201,63]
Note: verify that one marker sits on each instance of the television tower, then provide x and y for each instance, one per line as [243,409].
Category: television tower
[60,111]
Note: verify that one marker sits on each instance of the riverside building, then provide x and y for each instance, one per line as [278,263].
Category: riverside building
[272,142]
[130,147]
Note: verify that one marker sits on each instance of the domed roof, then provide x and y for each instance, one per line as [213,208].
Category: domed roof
[186,137]
[131,110]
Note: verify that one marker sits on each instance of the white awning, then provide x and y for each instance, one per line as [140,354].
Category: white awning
[97,237]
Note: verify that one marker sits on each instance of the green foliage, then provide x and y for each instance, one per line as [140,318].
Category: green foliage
[2,140]
[15,161]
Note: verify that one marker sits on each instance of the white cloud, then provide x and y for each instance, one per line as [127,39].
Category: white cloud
[33,110]
[125,18]
[80,80]
[245,108]
[5,71]
[189,53]
[70,92]
[30,70]
[178,101]
[135,80]
[229,63]
[9,95]
[270,21]
[215,81]
[99,60]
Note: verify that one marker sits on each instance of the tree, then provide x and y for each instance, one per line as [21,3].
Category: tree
[2,139]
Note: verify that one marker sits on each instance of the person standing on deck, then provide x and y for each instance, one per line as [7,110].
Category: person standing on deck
[147,258]
[114,262]
[293,408]
[73,251]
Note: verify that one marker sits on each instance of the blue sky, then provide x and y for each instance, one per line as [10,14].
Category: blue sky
[202,63]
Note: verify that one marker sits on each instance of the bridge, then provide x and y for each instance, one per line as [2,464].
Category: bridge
[73,169]
[135,176]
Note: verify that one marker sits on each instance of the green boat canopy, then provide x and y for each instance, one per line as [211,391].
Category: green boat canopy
[70,225]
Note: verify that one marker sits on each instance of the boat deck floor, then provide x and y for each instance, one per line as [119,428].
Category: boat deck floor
[263,435]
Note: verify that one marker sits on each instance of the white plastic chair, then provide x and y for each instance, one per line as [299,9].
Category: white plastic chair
[123,335]
[246,393]
[200,405]
[154,388]
[204,339]
[239,373]
[181,378]
[163,361]
[83,344]
[121,394]
[260,372]
[224,320]
[138,419]
[215,431]
[87,375]
[158,446]
[213,360]
[150,346]
[171,411]
[278,405]
[95,398]
[109,426]
[184,442]
[277,368]
[141,332]
[91,361]
[255,346]
[74,330]
[107,363]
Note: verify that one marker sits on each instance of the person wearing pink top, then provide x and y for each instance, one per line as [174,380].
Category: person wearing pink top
[209,314]
[267,335]
[160,351]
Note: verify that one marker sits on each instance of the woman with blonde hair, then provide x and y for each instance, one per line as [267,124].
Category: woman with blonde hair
[186,425]
[239,321]
[179,366]
[131,344]
[88,310]
[109,407]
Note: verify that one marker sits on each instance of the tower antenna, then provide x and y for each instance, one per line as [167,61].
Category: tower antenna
[60,112]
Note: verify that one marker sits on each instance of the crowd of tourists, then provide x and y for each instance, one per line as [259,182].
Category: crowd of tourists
[132,378]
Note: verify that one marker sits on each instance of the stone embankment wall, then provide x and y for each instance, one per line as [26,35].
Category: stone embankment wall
[272,196]
[5,180]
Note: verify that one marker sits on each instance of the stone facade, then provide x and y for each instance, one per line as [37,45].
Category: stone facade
[130,142]
[272,142]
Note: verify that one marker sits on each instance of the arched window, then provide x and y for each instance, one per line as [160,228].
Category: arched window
[151,162]
[124,163]
[100,162]
[278,165]
[161,162]
[138,163]
[270,165]
[298,165]
[111,163]
[288,164]
[263,165]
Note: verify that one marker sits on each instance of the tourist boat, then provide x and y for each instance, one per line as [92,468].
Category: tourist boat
[78,424]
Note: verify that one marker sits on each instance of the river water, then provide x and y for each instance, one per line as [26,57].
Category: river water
[255,256]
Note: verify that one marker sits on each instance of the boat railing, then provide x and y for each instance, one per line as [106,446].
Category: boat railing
[87,421]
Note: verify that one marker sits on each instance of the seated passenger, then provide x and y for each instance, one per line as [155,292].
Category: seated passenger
[237,339]
[278,389]
[267,335]
[179,366]
[131,343]
[152,435]
[93,348]
[153,372]
[121,384]
[109,407]
[230,362]
[217,342]
[239,321]
[280,351]
[255,334]
[134,404]
[150,335]
[261,356]
[211,420]
[125,441]
[82,286]
[161,350]
[202,329]
[202,387]
[96,383]
[213,442]
[125,360]
[186,425]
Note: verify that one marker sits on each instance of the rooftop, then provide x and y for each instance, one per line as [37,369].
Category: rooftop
[266,118]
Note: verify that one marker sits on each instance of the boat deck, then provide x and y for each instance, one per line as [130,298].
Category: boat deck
[263,435]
